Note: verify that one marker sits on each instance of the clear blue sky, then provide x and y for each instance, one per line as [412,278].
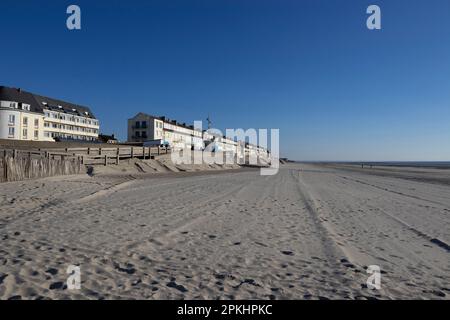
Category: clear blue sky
[311,68]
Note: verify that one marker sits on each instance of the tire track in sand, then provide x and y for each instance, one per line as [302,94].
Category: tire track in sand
[434,240]
[339,257]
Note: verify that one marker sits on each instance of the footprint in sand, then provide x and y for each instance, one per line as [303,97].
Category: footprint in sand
[347,264]
[52,271]
[57,285]
[179,287]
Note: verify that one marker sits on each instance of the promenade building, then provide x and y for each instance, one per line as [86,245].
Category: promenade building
[149,129]
[29,116]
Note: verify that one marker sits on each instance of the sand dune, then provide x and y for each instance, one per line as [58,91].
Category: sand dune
[307,233]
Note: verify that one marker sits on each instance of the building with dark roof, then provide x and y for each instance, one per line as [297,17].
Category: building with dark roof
[29,116]
[144,127]
[147,128]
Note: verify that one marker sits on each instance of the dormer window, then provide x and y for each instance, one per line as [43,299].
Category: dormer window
[44,103]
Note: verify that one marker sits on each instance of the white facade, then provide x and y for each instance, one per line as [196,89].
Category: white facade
[18,123]
[146,128]
[27,116]
[61,124]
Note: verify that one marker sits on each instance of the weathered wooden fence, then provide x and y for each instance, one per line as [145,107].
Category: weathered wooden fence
[107,156]
[21,166]
[24,164]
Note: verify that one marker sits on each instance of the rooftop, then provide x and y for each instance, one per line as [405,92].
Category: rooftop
[38,103]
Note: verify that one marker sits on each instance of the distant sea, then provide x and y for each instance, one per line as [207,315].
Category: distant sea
[418,164]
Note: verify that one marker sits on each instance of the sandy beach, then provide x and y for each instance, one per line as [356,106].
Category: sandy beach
[308,232]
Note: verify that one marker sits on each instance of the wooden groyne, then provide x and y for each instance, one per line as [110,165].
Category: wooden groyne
[16,165]
[22,166]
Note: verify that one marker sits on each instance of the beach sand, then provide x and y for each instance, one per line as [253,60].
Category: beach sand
[308,232]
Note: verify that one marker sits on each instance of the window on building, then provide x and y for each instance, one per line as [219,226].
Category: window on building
[25,121]
[36,123]
[36,134]
[12,131]
[144,134]
[46,134]
[138,134]
[25,133]
[12,119]
[13,105]
[137,125]
[144,124]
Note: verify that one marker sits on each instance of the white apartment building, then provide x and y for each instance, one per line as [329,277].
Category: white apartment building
[144,127]
[28,116]
[147,128]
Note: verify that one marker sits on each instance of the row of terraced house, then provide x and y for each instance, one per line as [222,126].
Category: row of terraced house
[33,117]
[153,130]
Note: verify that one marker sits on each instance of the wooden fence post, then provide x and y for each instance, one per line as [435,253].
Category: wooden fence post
[5,164]
[118,156]
[106,159]
[132,152]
